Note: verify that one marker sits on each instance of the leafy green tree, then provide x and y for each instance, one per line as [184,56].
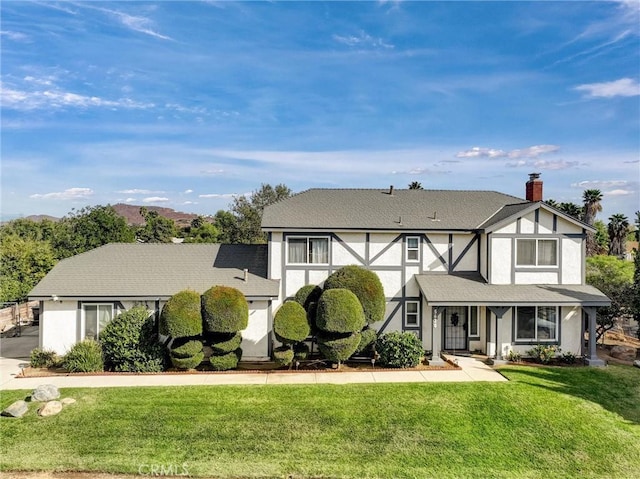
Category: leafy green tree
[635,291]
[201,231]
[43,230]
[23,262]
[248,212]
[614,277]
[637,225]
[601,237]
[156,228]
[591,199]
[89,228]
[227,225]
[617,229]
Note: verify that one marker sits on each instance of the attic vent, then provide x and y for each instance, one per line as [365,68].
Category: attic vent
[435,216]
[246,275]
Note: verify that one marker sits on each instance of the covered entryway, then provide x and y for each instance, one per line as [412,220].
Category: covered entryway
[455,328]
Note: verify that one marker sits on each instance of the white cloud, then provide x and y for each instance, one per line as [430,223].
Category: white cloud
[214,172]
[600,184]
[133,22]
[419,171]
[544,164]
[218,195]
[129,200]
[529,152]
[362,39]
[136,191]
[187,192]
[477,152]
[155,199]
[625,87]
[618,193]
[15,36]
[189,203]
[533,151]
[69,194]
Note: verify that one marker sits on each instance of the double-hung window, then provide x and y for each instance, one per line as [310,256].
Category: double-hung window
[536,252]
[95,318]
[413,248]
[536,323]
[308,250]
[412,314]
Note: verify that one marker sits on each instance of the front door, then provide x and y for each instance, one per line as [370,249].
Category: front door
[455,328]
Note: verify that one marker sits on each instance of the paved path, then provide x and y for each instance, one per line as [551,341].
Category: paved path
[471,370]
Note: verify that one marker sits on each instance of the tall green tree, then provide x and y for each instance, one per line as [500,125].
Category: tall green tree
[601,237]
[201,231]
[617,229]
[156,228]
[637,225]
[248,212]
[591,199]
[89,228]
[568,208]
[635,292]
[227,225]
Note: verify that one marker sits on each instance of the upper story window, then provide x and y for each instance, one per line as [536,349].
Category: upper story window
[413,248]
[95,318]
[306,250]
[536,252]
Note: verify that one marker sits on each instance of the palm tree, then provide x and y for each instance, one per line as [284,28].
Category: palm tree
[618,228]
[638,230]
[415,185]
[592,206]
[572,210]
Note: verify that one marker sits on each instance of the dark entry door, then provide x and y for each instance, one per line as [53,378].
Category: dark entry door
[455,328]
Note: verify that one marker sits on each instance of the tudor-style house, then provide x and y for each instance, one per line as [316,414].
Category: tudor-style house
[463,270]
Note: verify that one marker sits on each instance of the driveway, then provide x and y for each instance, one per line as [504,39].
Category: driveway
[15,352]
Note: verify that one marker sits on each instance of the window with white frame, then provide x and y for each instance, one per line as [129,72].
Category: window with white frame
[536,323]
[412,314]
[95,318]
[474,325]
[308,250]
[536,252]
[413,248]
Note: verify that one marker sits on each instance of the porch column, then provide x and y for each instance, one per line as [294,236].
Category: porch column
[436,337]
[592,359]
[498,311]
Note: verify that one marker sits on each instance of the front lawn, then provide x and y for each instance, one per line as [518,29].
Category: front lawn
[546,422]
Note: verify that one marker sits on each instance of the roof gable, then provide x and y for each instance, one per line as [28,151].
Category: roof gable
[510,213]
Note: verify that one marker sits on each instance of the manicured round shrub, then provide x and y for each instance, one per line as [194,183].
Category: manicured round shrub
[290,323]
[225,343]
[181,317]
[187,363]
[188,349]
[339,311]
[226,361]
[84,357]
[368,338]
[300,351]
[399,350]
[307,295]
[130,343]
[283,356]
[338,348]
[365,285]
[224,310]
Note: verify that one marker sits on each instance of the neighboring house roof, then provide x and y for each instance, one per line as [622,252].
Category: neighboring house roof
[158,271]
[372,209]
[472,289]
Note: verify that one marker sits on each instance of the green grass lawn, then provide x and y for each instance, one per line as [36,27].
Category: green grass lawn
[545,422]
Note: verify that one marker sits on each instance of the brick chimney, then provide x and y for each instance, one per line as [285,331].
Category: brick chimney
[534,187]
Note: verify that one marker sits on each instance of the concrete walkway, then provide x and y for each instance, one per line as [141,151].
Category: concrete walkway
[471,370]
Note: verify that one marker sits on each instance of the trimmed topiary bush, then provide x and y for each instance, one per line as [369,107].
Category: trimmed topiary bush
[290,323]
[181,316]
[339,311]
[338,349]
[226,361]
[187,363]
[368,338]
[399,350]
[283,356]
[308,297]
[189,348]
[365,285]
[224,310]
[300,351]
[43,358]
[225,343]
[84,357]
[130,343]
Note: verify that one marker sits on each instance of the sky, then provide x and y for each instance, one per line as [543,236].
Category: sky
[185,104]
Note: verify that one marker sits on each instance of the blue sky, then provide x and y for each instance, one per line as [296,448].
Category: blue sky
[185,104]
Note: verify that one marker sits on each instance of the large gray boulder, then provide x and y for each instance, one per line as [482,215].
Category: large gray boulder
[626,353]
[636,363]
[17,409]
[50,408]
[45,392]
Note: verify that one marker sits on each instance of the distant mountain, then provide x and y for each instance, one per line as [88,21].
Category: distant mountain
[132,214]
[42,218]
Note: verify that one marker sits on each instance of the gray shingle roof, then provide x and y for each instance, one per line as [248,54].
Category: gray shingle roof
[158,270]
[372,209]
[472,289]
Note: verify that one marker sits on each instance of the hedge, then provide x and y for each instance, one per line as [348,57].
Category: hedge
[368,338]
[290,323]
[187,363]
[84,357]
[283,355]
[130,343]
[225,343]
[340,348]
[399,350]
[300,351]
[226,361]
[224,310]
[181,317]
[186,350]
[339,311]
[365,285]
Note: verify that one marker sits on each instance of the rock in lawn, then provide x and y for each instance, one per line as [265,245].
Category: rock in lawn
[67,401]
[17,409]
[50,408]
[45,392]
[636,363]
[626,353]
